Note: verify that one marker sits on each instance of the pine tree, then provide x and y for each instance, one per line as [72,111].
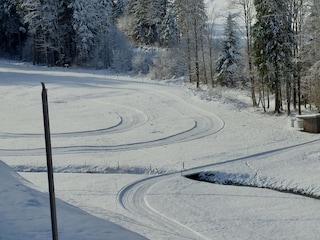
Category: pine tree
[147,17]
[12,30]
[169,28]
[48,27]
[144,32]
[311,56]
[103,11]
[273,39]
[92,21]
[84,29]
[228,64]
[118,9]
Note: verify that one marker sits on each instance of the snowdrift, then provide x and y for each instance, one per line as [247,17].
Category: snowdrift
[25,214]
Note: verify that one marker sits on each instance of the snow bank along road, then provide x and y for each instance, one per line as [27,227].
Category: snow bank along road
[102,120]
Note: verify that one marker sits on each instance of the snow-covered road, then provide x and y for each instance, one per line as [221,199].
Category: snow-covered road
[106,123]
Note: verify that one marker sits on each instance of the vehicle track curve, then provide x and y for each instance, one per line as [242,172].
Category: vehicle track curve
[133,199]
[203,124]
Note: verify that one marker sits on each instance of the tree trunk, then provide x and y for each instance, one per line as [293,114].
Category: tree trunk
[288,93]
[268,98]
[204,62]
[294,94]
[248,22]
[34,51]
[189,58]
[277,98]
[196,53]
[299,95]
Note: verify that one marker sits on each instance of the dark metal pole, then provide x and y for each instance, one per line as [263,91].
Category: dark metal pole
[49,163]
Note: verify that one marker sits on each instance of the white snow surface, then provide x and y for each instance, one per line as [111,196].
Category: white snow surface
[121,149]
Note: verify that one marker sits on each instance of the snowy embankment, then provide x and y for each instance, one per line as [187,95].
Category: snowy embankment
[156,131]
[25,214]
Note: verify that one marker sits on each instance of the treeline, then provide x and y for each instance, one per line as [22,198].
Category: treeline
[96,33]
[270,47]
[60,32]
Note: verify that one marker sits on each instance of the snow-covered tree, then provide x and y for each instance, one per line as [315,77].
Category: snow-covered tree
[147,16]
[118,9]
[191,18]
[248,14]
[273,39]
[311,49]
[169,28]
[83,25]
[228,65]
[98,42]
[121,51]
[92,21]
[310,55]
[47,22]
[103,27]
[315,84]
[12,31]
[143,22]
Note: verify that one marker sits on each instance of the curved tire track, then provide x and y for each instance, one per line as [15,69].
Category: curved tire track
[124,123]
[201,128]
[204,124]
[129,117]
[133,199]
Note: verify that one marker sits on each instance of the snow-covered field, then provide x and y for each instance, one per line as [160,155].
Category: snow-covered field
[121,149]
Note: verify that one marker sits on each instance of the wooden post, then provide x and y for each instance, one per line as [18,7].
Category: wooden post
[49,163]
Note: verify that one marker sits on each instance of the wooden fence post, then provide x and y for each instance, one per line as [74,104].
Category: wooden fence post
[49,163]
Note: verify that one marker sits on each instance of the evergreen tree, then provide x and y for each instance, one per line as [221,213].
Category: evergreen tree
[118,9]
[191,19]
[144,23]
[12,30]
[310,54]
[169,28]
[103,22]
[273,40]
[98,42]
[83,25]
[228,64]
[147,17]
[145,31]
[49,29]
[92,23]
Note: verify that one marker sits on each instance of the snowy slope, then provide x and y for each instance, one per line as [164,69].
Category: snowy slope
[25,214]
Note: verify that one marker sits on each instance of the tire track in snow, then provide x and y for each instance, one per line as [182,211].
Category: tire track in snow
[133,198]
[202,127]
[125,122]
[199,130]
[204,124]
